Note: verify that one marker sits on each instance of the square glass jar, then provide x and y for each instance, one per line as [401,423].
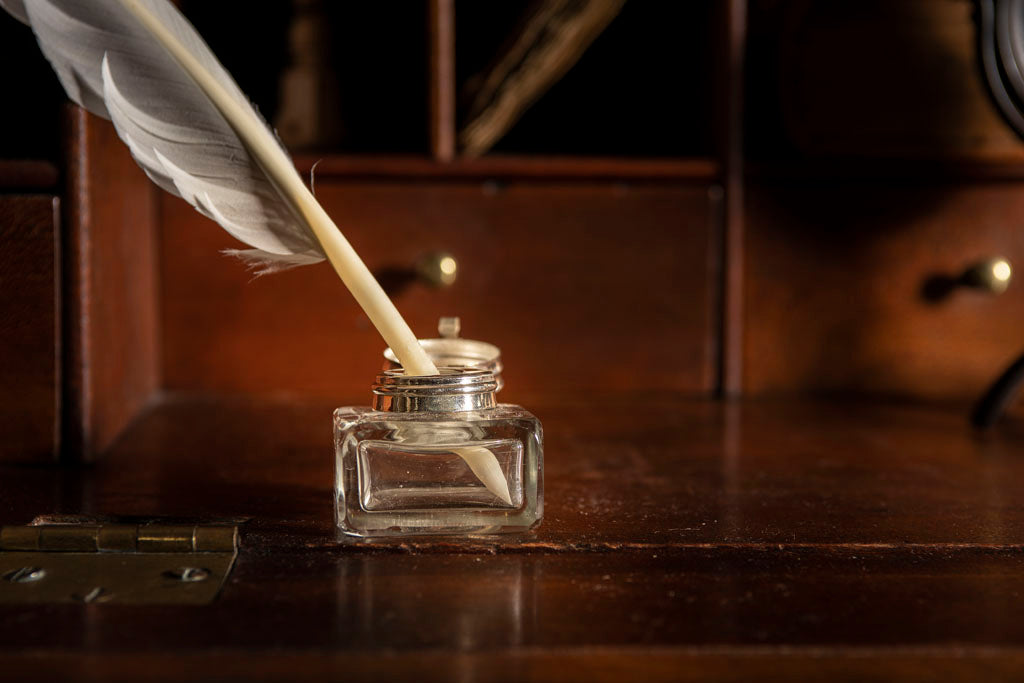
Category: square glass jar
[437,455]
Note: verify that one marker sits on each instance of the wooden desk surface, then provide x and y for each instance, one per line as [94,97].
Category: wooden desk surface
[683,540]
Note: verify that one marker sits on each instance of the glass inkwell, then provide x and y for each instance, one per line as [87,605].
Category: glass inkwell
[437,454]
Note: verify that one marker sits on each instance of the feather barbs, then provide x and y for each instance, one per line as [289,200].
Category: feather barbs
[193,131]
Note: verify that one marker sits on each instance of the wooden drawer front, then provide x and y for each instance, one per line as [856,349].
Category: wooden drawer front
[834,287]
[29,328]
[582,285]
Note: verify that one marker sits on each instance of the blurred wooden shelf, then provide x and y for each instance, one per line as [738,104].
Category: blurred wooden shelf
[500,166]
[28,175]
[973,168]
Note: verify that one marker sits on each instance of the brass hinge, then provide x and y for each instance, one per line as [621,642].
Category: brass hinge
[115,563]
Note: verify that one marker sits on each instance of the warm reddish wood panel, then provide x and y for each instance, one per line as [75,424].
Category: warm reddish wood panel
[590,284]
[732,24]
[26,175]
[835,271]
[623,471]
[510,166]
[746,602]
[787,531]
[113,357]
[569,665]
[441,19]
[29,328]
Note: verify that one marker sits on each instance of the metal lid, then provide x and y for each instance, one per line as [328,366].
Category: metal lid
[454,390]
[456,353]
[451,351]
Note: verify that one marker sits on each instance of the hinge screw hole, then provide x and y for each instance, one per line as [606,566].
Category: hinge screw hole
[188,574]
[25,575]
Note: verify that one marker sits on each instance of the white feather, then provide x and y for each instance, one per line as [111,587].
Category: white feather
[16,8]
[142,65]
[110,64]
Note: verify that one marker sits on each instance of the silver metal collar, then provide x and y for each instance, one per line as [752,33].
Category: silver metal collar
[454,390]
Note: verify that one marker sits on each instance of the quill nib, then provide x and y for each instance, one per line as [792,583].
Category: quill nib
[485,466]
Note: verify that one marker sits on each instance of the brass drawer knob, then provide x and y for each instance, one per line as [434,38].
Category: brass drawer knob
[991,275]
[438,269]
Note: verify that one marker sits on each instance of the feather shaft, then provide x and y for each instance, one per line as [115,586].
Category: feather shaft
[265,149]
[484,465]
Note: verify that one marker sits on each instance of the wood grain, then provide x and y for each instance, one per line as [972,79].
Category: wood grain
[30,344]
[625,471]
[583,284]
[505,167]
[441,19]
[836,272]
[25,175]
[732,42]
[733,539]
[584,665]
[112,356]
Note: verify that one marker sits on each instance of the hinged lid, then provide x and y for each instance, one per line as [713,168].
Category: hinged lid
[452,351]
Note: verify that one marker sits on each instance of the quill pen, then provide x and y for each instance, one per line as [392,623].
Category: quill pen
[140,64]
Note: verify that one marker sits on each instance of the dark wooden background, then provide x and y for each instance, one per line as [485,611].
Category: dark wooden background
[703,254]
